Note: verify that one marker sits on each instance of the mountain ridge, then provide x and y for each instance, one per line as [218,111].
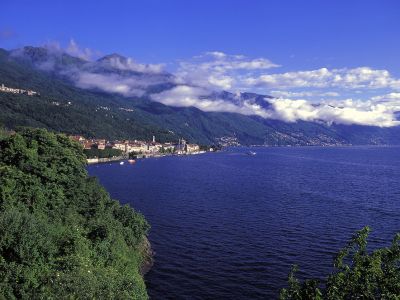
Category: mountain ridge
[97,113]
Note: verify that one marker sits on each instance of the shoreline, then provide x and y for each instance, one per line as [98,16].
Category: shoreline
[92,161]
[147,255]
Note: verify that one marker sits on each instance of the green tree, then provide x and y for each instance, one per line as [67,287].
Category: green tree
[61,235]
[357,274]
[102,153]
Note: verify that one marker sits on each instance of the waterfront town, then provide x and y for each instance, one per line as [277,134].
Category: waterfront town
[140,149]
[6,89]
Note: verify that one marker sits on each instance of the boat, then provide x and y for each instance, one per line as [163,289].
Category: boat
[131,161]
[121,163]
[251,153]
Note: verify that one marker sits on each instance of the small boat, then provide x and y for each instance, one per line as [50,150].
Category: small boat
[251,153]
[121,163]
[131,161]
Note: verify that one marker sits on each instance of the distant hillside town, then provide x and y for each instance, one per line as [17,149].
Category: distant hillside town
[140,149]
[6,89]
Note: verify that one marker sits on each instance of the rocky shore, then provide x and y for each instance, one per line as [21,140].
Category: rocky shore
[147,255]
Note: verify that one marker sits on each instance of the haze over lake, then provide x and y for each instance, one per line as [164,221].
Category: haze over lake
[228,225]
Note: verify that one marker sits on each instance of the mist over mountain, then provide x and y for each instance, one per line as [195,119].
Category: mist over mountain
[111,73]
[201,84]
[117,97]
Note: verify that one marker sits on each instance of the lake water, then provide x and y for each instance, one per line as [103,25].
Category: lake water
[229,226]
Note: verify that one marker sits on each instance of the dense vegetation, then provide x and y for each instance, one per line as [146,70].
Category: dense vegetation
[357,274]
[61,236]
[102,153]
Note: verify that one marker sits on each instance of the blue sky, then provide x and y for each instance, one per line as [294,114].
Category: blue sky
[295,34]
[345,53]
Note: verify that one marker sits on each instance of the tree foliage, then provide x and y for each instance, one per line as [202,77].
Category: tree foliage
[61,236]
[102,153]
[357,274]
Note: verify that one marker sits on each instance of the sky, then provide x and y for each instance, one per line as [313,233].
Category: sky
[341,52]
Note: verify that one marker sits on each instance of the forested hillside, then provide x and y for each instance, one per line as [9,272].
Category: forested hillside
[61,234]
[64,107]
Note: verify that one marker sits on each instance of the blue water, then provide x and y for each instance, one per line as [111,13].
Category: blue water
[229,226]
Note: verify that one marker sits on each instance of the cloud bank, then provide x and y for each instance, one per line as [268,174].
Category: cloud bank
[112,73]
[219,70]
[188,96]
[128,64]
[295,92]
[310,95]
[379,111]
[109,83]
[292,91]
[74,49]
[342,112]
[363,77]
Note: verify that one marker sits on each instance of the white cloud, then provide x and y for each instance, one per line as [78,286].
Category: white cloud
[74,49]
[213,71]
[219,70]
[363,77]
[103,74]
[216,54]
[202,76]
[388,97]
[341,112]
[188,96]
[374,112]
[109,83]
[122,63]
[129,85]
[329,94]
[289,94]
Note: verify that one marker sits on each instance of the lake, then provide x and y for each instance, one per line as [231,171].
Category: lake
[229,226]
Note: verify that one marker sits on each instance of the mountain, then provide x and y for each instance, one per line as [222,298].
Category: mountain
[96,75]
[46,59]
[241,98]
[109,98]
